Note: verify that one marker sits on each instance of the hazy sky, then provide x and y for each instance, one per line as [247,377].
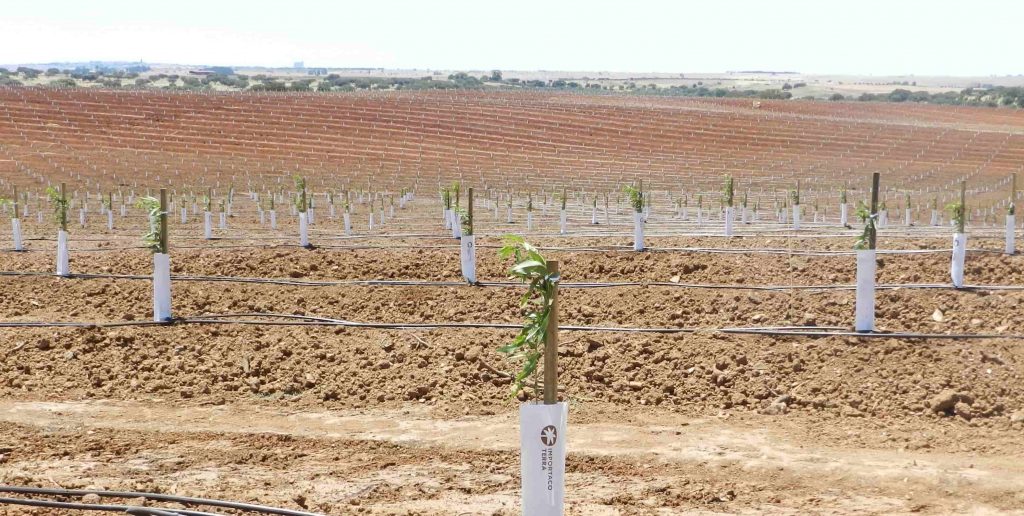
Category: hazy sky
[923,37]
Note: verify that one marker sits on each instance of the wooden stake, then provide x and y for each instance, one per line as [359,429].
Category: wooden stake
[551,344]
[873,233]
[469,208]
[163,220]
[963,207]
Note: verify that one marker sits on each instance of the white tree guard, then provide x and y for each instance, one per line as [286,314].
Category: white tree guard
[110,220]
[207,225]
[62,253]
[935,217]
[864,311]
[161,287]
[593,214]
[508,214]
[467,256]
[223,220]
[844,214]
[956,267]
[796,216]
[370,227]
[561,222]
[1011,224]
[303,230]
[543,435]
[273,219]
[348,223]
[263,217]
[447,219]
[16,234]
[906,217]
[81,217]
[529,221]
[728,221]
[124,211]
[638,231]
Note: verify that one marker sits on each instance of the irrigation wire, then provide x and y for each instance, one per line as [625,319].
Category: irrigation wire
[276,319]
[512,284]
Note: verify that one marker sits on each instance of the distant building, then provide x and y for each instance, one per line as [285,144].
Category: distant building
[299,64]
[316,71]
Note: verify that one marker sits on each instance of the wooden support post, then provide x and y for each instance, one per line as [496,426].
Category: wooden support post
[551,344]
[963,207]
[873,232]
[469,208]
[65,205]
[163,220]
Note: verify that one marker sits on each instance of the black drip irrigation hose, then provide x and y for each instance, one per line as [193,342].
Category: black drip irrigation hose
[184,500]
[511,284]
[276,319]
[123,509]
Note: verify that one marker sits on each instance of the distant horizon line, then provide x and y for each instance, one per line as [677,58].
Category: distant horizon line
[485,69]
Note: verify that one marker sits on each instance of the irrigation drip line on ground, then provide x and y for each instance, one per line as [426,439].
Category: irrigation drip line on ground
[512,284]
[156,511]
[275,319]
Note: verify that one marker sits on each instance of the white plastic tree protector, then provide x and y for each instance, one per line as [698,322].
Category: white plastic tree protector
[303,230]
[273,219]
[371,222]
[332,211]
[561,222]
[81,217]
[529,221]
[391,212]
[456,226]
[223,220]
[843,214]
[638,231]
[593,214]
[161,287]
[508,215]
[468,258]
[311,216]
[906,217]
[728,221]
[123,211]
[956,267]
[16,233]
[110,220]
[796,216]
[39,217]
[542,437]
[263,217]
[184,214]
[447,219]
[935,217]
[207,225]
[864,311]
[1011,223]
[700,216]
[62,253]
[348,223]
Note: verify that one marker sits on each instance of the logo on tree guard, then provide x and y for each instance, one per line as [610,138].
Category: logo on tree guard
[549,435]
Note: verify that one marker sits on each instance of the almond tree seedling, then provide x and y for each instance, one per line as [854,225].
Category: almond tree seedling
[301,205]
[59,199]
[958,214]
[539,306]
[636,200]
[864,308]
[728,191]
[1011,219]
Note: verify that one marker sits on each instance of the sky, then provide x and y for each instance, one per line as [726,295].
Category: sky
[864,37]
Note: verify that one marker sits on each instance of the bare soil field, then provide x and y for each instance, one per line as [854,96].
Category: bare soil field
[361,375]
